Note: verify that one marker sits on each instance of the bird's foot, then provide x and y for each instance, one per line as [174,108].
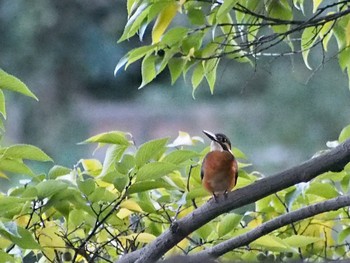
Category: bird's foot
[216,198]
[225,194]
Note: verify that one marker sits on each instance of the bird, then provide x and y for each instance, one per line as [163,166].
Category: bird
[219,171]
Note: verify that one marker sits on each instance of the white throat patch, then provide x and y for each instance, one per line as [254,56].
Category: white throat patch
[214,146]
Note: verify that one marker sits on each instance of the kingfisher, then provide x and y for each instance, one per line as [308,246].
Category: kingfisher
[219,168]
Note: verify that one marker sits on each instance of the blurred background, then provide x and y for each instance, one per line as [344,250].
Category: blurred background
[278,113]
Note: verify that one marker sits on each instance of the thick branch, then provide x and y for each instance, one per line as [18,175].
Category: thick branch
[333,160]
[271,225]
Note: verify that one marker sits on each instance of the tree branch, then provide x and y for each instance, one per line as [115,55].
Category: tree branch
[332,160]
[271,225]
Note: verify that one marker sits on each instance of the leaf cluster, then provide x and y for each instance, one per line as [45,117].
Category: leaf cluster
[99,211]
[238,30]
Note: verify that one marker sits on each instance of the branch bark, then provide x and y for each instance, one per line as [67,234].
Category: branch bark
[271,225]
[333,160]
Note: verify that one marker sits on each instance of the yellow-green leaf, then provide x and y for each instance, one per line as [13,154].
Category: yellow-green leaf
[141,237]
[163,20]
[57,171]
[180,156]
[226,7]
[176,66]
[308,39]
[325,190]
[114,137]
[2,104]
[148,69]
[50,187]
[24,239]
[51,241]
[155,170]
[143,186]
[123,213]
[271,242]
[197,76]
[149,151]
[26,151]
[316,4]
[300,241]
[131,205]
[92,166]
[344,134]
[228,223]
[326,33]
[12,83]
[15,166]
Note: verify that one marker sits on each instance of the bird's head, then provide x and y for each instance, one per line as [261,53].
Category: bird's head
[219,141]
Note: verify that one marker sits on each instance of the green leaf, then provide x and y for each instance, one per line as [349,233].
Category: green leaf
[2,104]
[300,241]
[192,41]
[196,193]
[126,164]
[225,8]
[343,235]
[196,16]
[57,171]
[174,36]
[148,185]
[344,58]
[228,223]
[30,192]
[325,190]
[87,186]
[113,154]
[10,228]
[148,69]
[151,171]
[164,18]
[6,202]
[25,151]
[25,241]
[120,181]
[50,187]
[204,231]
[135,21]
[344,183]
[150,150]
[316,4]
[176,66]
[15,166]
[326,33]
[344,134]
[210,67]
[291,196]
[138,53]
[5,257]
[12,83]
[180,156]
[197,76]
[121,63]
[114,137]
[308,39]
[281,10]
[130,6]
[272,243]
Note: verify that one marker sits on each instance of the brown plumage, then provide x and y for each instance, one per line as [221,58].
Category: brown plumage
[219,169]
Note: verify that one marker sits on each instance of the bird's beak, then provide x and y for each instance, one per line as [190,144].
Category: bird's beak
[210,135]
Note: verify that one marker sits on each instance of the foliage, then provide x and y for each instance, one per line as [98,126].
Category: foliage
[239,30]
[99,211]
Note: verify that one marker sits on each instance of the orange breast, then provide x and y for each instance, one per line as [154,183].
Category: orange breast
[219,172]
